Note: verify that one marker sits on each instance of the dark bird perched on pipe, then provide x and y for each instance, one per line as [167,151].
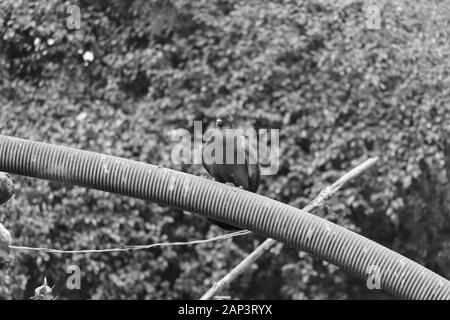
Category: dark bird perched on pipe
[243,169]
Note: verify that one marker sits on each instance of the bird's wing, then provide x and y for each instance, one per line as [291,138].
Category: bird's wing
[251,163]
[253,170]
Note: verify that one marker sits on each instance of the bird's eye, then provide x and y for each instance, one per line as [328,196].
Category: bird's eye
[219,122]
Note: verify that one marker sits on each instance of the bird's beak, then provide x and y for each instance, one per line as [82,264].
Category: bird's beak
[218,122]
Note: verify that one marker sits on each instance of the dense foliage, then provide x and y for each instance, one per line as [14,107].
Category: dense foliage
[137,70]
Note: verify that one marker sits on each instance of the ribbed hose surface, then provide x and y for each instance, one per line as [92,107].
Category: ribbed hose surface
[349,251]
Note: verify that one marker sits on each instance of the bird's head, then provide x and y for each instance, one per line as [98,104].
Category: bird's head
[224,121]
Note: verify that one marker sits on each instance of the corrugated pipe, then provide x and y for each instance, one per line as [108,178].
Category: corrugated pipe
[353,253]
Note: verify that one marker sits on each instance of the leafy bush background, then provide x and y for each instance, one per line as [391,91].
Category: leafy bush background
[338,91]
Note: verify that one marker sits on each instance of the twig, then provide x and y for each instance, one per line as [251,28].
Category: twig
[324,195]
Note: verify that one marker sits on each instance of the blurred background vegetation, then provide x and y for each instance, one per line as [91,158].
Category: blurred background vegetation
[137,70]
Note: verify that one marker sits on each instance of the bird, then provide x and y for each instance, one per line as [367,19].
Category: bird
[244,174]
